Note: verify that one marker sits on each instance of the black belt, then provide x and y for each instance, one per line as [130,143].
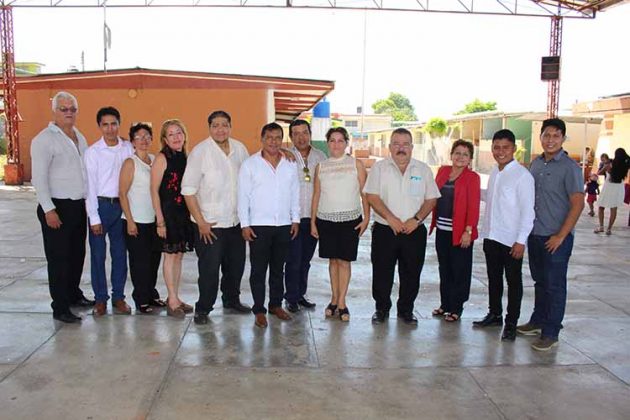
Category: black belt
[110,200]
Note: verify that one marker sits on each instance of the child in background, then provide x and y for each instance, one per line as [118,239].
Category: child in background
[592,190]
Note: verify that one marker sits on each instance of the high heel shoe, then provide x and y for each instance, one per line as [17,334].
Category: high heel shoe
[331,310]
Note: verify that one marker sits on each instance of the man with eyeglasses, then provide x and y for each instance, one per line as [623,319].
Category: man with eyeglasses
[58,176]
[303,246]
[402,192]
[103,161]
[209,187]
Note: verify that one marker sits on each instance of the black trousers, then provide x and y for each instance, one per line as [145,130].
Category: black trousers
[65,252]
[455,266]
[268,250]
[406,250]
[227,253]
[498,261]
[145,252]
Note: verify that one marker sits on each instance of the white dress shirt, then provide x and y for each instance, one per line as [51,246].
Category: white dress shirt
[509,215]
[102,165]
[57,166]
[212,176]
[403,194]
[315,156]
[268,196]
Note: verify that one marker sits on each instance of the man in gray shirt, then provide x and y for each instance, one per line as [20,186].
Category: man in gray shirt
[59,180]
[558,204]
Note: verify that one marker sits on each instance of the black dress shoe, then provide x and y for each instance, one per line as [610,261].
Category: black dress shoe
[509,333]
[84,302]
[200,318]
[237,306]
[408,318]
[68,318]
[491,320]
[379,317]
[307,303]
[293,307]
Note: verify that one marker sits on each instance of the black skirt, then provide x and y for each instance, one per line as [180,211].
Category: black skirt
[338,240]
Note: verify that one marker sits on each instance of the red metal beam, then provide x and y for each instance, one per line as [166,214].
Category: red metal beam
[555,49]
[13,170]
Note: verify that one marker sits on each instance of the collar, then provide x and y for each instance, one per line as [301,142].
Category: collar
[412,162]
[55,127]
[509,166]
[214,145]
[556,157]
[100,143]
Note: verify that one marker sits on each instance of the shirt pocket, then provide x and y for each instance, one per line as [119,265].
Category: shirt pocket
[415,185]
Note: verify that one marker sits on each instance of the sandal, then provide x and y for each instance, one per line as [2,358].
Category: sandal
[608,232]
[438,312]
[145,309]
[344,314]
[186,308]
[330,310]
[158,303]
[599,229]
[452,317]
[176,313]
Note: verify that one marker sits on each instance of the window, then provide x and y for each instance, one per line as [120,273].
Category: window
[352,124]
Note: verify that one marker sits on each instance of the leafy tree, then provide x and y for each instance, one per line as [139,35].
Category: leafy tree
[396,105]
[436,127]
[477,106]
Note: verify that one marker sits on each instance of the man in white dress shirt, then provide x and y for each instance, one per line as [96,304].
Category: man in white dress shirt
[103,161]
[209,187]
[59,180]
[508,220]
[303,247]
[269,211]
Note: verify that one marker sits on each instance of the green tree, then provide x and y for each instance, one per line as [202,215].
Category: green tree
[396,105]
[477,106]
[436,127]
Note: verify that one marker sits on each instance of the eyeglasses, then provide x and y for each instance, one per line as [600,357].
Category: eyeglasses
[146,137]
[461,154]
[63,110]
[401,146]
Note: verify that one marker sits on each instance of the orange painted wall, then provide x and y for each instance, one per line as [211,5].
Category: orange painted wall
[248,109]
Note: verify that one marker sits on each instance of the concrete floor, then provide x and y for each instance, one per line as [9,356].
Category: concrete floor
[152,366]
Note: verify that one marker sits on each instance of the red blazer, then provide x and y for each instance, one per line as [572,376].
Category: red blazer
[465,202]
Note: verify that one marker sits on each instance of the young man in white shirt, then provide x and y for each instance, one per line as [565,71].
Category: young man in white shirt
[103,161]
[508,221]
[303,247]
[269,212]
[209,187]
[59,180]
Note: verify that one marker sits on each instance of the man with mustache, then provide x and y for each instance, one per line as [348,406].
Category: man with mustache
[402,192]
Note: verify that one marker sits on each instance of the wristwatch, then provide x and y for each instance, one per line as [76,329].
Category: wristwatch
[415,216]
[469,231]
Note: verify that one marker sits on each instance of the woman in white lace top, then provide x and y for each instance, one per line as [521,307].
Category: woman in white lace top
[339,215]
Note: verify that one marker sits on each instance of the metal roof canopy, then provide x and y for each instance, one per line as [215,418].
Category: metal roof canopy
[533,8]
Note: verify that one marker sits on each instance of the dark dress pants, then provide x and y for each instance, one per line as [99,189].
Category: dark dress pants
[406,250]
[145,252]
[298,264]
[227,253]
[268,250]
[498,261]
[455,266]
[65,252]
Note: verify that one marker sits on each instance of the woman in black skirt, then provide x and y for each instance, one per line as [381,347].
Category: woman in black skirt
[339,215]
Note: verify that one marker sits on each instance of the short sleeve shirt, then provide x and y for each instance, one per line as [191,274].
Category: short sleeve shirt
[403,194]
[555,180]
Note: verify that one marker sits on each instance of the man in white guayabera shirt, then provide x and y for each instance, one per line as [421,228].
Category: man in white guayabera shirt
[103,161]
[59,180]
[209,187]
[269,211]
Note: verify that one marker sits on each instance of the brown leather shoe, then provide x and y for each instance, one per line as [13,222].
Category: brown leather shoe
[120,307]
[188,309]
[261,320]
[280,313]
[99,309]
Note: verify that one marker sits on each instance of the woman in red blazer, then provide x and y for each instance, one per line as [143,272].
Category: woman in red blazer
[455,216]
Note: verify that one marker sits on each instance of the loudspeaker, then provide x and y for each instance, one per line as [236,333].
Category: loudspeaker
[550,68]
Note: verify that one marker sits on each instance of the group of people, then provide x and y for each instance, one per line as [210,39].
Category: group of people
[614,191]
[282,202]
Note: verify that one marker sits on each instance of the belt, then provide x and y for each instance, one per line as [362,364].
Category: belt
[110,200]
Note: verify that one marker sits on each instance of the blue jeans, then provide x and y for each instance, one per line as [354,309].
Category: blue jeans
[549,272]
[112,227]
[298,264]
